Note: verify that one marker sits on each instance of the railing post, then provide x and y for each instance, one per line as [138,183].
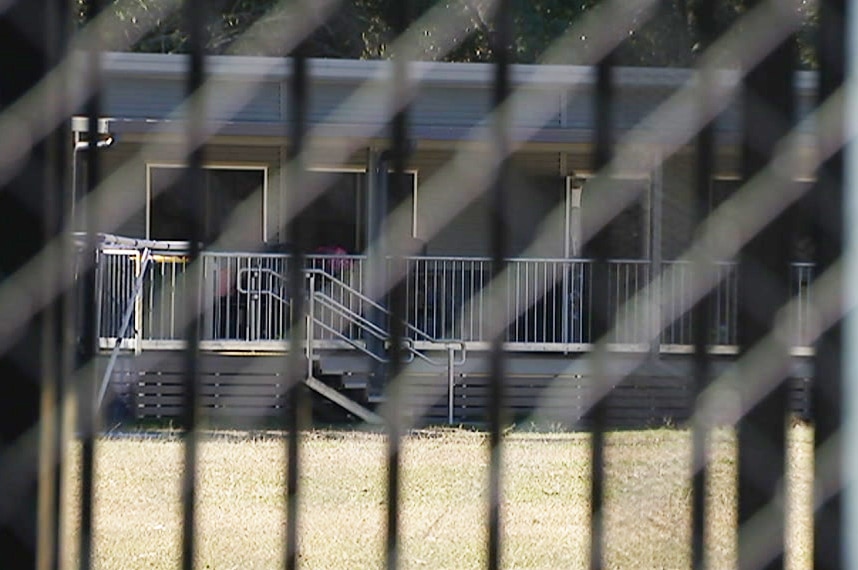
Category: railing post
[142,259]
[309,327]
[565,321]
[451,383]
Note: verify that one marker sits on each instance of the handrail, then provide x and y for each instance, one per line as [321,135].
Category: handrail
[368,300]
[408,326]
[364,323]
[349,341]
[342,284]
[358,319]
[353,316]
[268,292]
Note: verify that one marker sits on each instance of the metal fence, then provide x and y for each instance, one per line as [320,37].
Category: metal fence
[52,318]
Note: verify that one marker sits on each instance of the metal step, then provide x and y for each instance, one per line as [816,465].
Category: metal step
[373,398]
[340,364]
[341,400]
[355,380]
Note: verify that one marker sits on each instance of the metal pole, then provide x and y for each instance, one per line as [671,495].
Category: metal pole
[310,313]
[451,384]
[498,205]
[850,287]
[700,315]
[297,409]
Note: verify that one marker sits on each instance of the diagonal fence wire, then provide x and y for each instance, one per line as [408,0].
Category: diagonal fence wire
[740,203]
[40,110]
[764,15]
[677,110]
[114,208]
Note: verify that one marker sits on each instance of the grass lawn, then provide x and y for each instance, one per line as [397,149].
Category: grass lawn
[545,505]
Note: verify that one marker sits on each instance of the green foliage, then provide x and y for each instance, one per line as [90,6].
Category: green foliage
[364,29]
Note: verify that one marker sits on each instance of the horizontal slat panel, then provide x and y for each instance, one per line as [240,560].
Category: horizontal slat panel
[210,401]
[178,379]
[228,367]
[215,390]
[225,413]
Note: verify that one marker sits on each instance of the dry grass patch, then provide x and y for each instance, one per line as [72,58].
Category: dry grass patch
[545,503]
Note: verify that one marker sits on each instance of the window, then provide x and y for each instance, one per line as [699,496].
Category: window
[226,187]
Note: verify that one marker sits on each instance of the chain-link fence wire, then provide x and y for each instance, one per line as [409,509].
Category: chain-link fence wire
[761,367]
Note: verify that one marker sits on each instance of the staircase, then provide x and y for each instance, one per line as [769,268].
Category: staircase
[354,376]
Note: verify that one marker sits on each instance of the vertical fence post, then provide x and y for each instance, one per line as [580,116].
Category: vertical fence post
[296,282]
[701,311]
[59,365]
[193,192]
[829,219]
[394,419]
[849,385]
[763,289]
[86,384]
[31,199]
[600,315]
[501,39]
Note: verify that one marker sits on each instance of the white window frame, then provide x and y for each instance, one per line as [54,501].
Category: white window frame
[573,201]
[210,166]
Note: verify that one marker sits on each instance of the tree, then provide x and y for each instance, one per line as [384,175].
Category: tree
[363,29]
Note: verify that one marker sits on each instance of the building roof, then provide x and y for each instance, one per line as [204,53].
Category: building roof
[248,97]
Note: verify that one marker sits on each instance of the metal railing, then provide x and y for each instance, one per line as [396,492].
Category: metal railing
[550,298]
[117,269]
[245,300]
[722,308]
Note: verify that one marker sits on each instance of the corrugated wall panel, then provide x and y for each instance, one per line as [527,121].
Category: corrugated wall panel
[638,105]
[327,99]
[261,155]
[537,163]
[450,106]
[427,162]
[159,97]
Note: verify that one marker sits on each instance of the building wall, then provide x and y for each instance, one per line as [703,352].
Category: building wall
[678,191]
[536,190]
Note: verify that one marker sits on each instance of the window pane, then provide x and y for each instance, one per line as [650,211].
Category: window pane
[225,190]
